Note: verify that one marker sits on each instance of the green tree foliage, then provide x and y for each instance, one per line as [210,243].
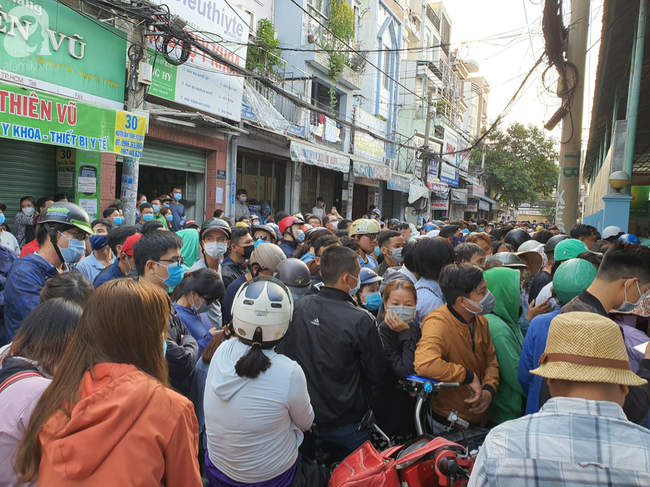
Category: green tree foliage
[264,55]
[341,23]
[520,166]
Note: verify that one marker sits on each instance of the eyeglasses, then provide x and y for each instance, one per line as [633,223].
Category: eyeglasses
[373,236]
[77,235]
[178,262]
[265,238]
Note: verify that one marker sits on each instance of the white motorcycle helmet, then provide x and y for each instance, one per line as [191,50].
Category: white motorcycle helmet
[263,302]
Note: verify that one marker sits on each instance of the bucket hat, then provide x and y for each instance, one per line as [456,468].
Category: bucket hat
[586,347]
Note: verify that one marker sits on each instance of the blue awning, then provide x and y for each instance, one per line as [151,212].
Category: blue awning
[488,200]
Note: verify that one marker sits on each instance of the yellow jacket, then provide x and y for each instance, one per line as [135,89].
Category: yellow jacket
[445,353]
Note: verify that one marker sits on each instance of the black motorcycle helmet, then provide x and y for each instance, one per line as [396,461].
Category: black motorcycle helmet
[64,213]
[549,248]
[295,275]
[516,237]
[392,222]
[215,223]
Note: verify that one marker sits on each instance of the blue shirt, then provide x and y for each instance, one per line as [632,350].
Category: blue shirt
[231,291]
[195,325]
[91,267]
[371,264]
[178,210]
[430,298]
[533,348]
[108,274]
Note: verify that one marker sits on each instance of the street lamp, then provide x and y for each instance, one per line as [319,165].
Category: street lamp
[619,180]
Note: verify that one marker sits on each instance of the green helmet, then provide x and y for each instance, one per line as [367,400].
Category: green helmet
[68,214]
[572,277]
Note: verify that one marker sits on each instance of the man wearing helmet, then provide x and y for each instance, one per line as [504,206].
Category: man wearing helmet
[366,232]
[337,345]
[292,235]
[214,240]
[62,242]
[264,259]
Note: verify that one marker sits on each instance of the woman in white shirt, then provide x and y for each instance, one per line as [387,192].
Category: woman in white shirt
[256,400]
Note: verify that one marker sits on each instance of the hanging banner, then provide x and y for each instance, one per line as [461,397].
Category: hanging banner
[310,154]
[50,119]
[398,183]
[483,205]
[458,196]
[366,145]
[48,46]
[203,83]
[369,170]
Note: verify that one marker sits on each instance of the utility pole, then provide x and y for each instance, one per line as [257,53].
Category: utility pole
[131,165]
[426,156]
[568,188]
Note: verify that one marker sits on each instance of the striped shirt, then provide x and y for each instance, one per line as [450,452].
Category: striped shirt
[570,442]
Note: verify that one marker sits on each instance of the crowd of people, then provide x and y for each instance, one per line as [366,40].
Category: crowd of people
[246,351]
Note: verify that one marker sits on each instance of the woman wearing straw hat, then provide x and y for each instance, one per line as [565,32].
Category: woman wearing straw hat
[581,436]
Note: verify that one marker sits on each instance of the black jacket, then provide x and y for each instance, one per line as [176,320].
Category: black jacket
[400,348]
[182,353]
[230,271]
[338,347]
[637,401]
[537,284]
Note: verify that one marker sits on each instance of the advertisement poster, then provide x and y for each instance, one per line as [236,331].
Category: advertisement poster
[639,203]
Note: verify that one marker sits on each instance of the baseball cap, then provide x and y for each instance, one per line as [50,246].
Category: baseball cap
[127,248]
[190,224]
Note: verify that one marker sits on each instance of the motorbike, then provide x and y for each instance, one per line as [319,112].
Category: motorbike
[444,460]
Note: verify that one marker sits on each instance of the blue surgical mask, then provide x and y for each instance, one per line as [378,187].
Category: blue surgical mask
[377,251]
[301,236]
[118,220]
[75,251]
[259,242]
[156,208]
[170,217]
[308,257]
[353,291]
[628,306]
[98,242]
[166,205]
[176,274]
[148,217]
[373,301]
[2,218]
[178,196]
[480,229]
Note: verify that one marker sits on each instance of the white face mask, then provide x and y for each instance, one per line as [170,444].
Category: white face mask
[29,211]
[215,250]
[404,313]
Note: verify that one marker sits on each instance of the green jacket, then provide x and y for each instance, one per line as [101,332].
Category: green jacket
[190,250]
[507,339]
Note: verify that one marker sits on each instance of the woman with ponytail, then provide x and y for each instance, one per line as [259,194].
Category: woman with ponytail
[256,400]
[109,416]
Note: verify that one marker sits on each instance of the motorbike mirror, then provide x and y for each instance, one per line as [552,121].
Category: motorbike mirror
[368,420]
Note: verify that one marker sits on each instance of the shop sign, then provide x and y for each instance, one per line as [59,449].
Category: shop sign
[365,145]
[476,190]
[440,204]
[373,183]
[398,183]
[483,205]
[48,46]
[459,196]
[370,170]
[50,119]
[448,174]
[203,83]
[472,206]
[310,154]
[438,187]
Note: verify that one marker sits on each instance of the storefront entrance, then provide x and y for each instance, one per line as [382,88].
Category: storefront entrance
[263,178]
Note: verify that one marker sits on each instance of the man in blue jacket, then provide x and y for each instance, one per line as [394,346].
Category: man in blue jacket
[7,258]
[62,240]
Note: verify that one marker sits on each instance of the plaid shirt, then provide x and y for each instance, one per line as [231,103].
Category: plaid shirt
[569,442]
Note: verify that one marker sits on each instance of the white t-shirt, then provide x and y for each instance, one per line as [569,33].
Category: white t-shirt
[319,212]
[8,240]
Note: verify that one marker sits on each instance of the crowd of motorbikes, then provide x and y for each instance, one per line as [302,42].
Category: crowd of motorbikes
[444,460]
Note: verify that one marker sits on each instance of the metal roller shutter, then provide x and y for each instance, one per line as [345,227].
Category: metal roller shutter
[26,169]
[171,156]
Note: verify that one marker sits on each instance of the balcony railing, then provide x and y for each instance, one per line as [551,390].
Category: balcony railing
[433,17]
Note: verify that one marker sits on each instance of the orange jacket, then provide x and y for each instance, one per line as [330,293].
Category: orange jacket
[126,430]
[445,353]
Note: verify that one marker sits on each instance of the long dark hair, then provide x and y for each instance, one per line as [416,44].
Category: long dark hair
[46,331]
[205,282]
[124,322]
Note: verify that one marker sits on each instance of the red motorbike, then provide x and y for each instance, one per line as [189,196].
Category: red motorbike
[428,461]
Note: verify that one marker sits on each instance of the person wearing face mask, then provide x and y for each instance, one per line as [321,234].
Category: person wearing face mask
[113,215]
[146,215]
[399,334]
[368,295]
[193,297]
[158,261]
[25,221]
[469,253]
[456,347]
[390,244]
[121,241]
[292,235]
[177,208]
[622,281]
[102,255]
[264,234]
[337,345]
[263,262]
[64,229]
[319,210]
[365,232]
[156,205]
[507,339]
[241,247]
[7,239]
[241,207]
